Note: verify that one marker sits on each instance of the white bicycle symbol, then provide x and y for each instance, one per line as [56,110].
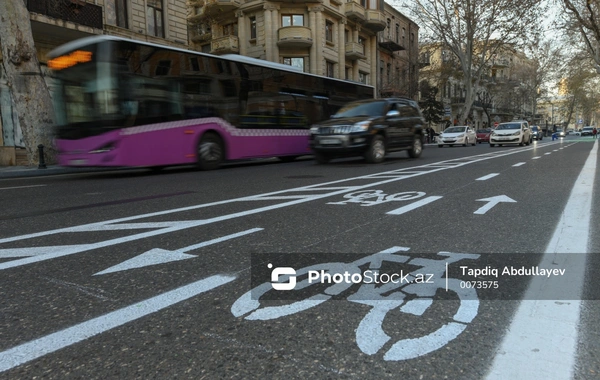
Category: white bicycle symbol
[370,335]
[376,197]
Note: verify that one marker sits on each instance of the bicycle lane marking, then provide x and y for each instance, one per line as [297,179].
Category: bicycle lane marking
[167,227]
[541,342]
[37,348]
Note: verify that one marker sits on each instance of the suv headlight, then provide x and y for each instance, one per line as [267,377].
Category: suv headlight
[361,126]
[516,134]
[460,136]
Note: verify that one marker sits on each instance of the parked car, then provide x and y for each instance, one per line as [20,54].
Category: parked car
[464,135]
[370,128]
[514,132]
[587,131]
[537,133]
[483,135]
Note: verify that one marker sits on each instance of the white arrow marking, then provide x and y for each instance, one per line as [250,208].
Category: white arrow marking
[161,256]
[152,257]
[492,201]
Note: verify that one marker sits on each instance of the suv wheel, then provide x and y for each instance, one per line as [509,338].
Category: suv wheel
[417,148]
[376,152]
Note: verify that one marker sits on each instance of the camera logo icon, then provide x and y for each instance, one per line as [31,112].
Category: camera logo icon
[288,273]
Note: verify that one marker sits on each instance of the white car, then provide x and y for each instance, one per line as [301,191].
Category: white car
[464,135]
[514,132]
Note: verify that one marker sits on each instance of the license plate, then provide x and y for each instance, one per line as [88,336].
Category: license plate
[504,138]
[78,162]
[330,142]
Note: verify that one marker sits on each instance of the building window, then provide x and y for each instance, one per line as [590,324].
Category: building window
[347,73]
[205,48]
[253,28]
[361,42]
[329,66]
[295,62]
[163,68]
[389,73]
[397,33]
[403,36]
[116,13]
[329,31]
[230,29]
[155,18]
[412,39]
[292,20]
[362,77]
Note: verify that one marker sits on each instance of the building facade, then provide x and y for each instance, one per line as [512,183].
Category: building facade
[506,90]
[366,41]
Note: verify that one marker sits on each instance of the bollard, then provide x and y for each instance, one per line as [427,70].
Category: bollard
[42,164]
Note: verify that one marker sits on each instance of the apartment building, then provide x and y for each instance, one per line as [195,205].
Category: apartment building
[366,41]
[506,90]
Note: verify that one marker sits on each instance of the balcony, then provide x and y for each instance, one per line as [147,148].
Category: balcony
[375,20]
[199,36]
[503,62]
[390,44]
[354,11]
[225,45]
[213,8]
[76,11]
[294,36]
[355,51]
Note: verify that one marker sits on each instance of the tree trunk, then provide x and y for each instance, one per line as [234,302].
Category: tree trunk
[26,84]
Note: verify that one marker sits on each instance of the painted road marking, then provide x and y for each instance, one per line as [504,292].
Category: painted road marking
[414,205]
[20,187]
[547,153]
[180,225]
[37,348]
[536,158]
[492,201]
[519,164]
[161,256]
[486,177]
[529,351]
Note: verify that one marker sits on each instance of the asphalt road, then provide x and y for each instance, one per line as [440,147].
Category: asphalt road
[129,274]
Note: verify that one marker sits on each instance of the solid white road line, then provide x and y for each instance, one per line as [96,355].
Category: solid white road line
[519,164]
[50,343]
[414,205]
[541,342]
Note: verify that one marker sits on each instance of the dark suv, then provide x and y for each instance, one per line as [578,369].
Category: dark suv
[370,128]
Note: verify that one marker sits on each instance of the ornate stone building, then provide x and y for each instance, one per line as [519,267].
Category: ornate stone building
[366,41]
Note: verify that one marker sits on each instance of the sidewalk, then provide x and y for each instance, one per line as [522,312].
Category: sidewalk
[33,171]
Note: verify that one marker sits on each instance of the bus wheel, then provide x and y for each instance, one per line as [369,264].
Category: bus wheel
[210,152]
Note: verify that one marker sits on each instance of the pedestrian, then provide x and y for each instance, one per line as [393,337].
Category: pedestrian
[431,135]
[595,133]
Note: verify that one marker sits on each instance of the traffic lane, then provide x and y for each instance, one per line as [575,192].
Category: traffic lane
[346,239]
[214,342]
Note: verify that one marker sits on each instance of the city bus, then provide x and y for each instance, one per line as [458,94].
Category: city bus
[127,103]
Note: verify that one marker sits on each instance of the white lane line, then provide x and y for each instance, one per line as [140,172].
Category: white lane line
[20,187]
[547,153]
[56,341]
[414,205]
[486,177]
[536,158]
[519,164]
[542,338]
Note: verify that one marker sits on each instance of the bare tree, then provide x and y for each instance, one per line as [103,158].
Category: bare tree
[24,79]
[475,30]
[585,17]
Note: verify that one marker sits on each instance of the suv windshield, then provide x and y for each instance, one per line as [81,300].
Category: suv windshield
[361,109]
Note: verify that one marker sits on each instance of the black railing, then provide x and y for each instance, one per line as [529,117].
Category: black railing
[77,11]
